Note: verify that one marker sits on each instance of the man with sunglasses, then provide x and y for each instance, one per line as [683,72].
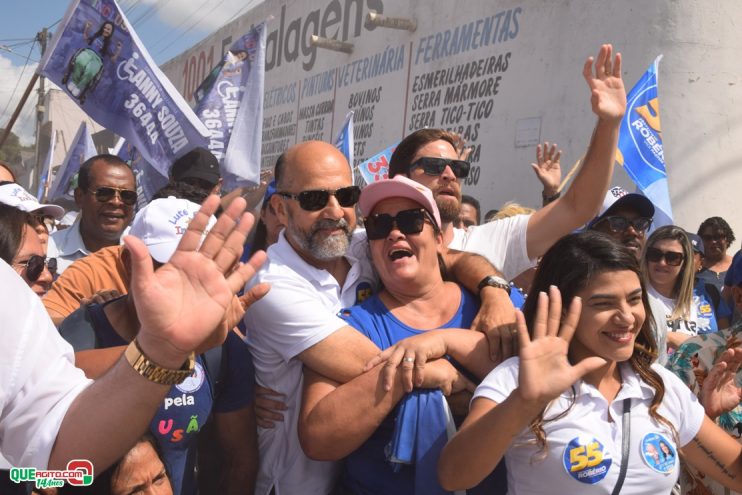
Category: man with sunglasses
[318,266]
[625,217]
[431,157]
[106,195]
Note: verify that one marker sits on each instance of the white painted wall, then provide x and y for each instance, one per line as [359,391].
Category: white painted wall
[700,85]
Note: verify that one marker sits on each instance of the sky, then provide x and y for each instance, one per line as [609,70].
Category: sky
[166,27]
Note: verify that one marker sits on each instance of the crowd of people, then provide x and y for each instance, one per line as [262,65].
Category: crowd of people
[421,347]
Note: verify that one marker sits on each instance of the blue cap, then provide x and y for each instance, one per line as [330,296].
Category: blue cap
[697,243]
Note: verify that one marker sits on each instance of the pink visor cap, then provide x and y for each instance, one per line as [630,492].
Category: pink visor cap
[398,187]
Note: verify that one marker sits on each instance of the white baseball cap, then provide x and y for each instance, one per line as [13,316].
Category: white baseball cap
[618,197]
[14,195]
[162,223]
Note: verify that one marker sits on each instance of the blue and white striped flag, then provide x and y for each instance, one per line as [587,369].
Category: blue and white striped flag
[344,142]
[98,60]
[80,150]
[230,104]
[44,178]
[640,149]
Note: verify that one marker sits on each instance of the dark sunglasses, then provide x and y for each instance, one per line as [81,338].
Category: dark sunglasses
[671,258]
[106,194]
[317,199]
[407,221]
[436,166]
[621,224]
[35,266]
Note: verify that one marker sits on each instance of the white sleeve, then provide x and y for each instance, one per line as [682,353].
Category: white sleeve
[290,318]
[500,382]
[503,243]
[38,377]
[680,404]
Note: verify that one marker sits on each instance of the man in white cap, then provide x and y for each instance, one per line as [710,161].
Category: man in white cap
[14,195]
[222,381]
[626,217]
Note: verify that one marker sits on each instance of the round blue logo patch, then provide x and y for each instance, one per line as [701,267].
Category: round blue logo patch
[659,453]
[586,459]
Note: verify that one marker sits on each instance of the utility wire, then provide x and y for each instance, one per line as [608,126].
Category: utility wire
[169,33]
[12,95]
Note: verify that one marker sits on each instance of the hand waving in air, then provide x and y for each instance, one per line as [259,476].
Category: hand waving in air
[608,95]
[547,167]
[545,354]
[720,393]
[183,304]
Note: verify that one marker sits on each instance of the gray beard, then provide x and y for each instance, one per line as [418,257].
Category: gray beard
[323,249]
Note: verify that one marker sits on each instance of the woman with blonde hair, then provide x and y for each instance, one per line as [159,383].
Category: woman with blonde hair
[668,271]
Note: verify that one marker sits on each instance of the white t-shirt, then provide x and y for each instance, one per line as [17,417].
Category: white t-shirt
[38,378]
[502,242]
[299,311]
[584,448]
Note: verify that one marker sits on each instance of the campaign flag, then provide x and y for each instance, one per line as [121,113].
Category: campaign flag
[149,180]
[377,167]
[98,60]
[640,149]
[80,150]
[344,141]
[44,179]
[230,104]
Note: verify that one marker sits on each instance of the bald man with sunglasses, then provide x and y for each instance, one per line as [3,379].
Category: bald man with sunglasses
[106,195]
[319,265]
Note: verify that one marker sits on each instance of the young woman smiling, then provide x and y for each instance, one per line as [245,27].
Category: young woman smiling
[603,411]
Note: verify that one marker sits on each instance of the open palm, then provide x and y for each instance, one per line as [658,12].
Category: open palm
[720,393]
[181,305]
[545,354]
[608,95]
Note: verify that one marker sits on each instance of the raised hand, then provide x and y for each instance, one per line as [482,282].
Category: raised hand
[608,96]
[545,355]
[181,307]
[547,167]
[720,393]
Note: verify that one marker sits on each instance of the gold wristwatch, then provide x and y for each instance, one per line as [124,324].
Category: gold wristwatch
[154,372]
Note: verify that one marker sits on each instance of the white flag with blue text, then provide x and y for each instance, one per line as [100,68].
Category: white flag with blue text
[230,104]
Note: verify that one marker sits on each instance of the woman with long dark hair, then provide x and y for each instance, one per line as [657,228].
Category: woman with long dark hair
[583,407]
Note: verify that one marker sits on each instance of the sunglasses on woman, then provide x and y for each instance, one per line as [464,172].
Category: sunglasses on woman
[671,258]
[106,194]
[436,166]
[34,266]
[407,221]
[317,199]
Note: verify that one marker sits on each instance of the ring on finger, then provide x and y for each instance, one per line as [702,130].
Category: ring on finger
[408,359]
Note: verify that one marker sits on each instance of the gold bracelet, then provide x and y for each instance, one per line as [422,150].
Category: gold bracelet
[153,371]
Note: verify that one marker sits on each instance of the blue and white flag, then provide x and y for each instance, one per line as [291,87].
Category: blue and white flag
[377,167]
[80,150]
[640,149]
[98,60]
[44,178]
[230,104]
[344,141]
[149,179]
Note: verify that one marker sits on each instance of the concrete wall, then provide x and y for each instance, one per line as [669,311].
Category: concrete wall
[540,93]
